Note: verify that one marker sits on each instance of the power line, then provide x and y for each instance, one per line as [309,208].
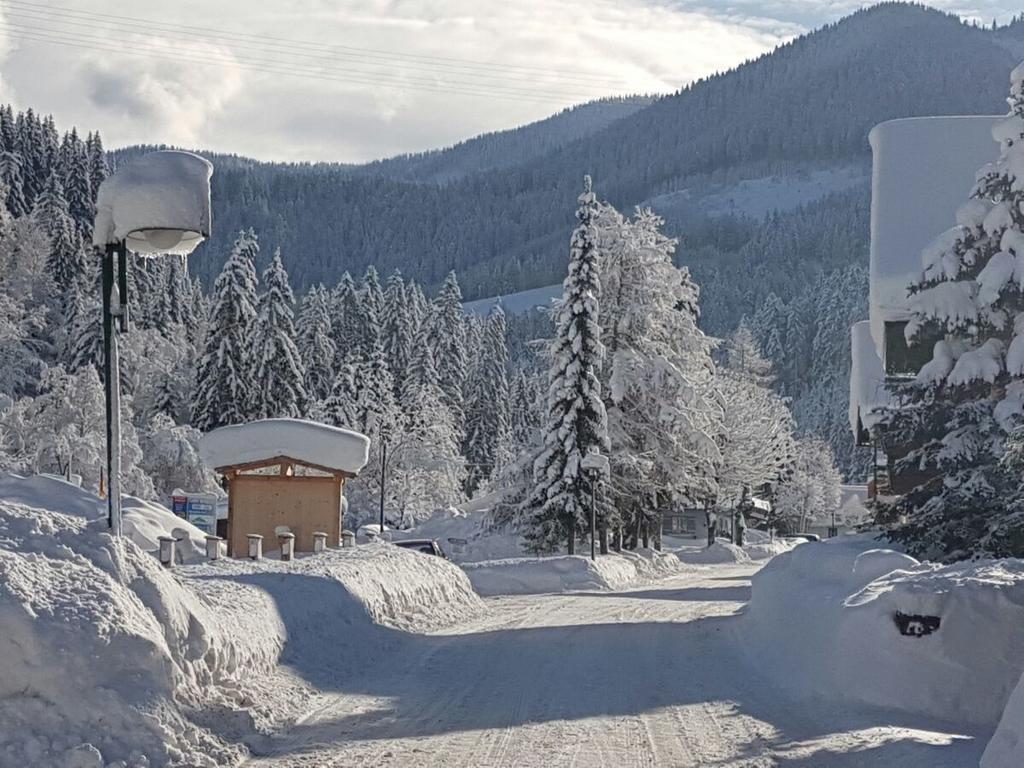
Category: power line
[27,7]
[301,67]
[106,46]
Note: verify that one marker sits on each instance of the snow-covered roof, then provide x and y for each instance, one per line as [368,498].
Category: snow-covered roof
[867,378]
[305,441]
[924,169]
[167,190]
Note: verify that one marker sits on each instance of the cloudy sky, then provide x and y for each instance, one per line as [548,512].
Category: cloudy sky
[353,80]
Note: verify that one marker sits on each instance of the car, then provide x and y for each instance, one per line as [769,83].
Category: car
[426,546]
[805,536]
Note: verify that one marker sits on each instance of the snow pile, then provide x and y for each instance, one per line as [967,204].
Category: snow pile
[144,522]
[305,441]
[720,552]
[105,655]
[161,190]
[767,549]
[821,619]
[466,535]
[570,573]
[1006,748]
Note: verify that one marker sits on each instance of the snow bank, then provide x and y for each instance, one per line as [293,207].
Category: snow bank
[720,552]
[821,619]
[570,573]
[1006,748]
[767,549]
[161,190]
[144,522]
[467,537]
[307,441]
[106,656]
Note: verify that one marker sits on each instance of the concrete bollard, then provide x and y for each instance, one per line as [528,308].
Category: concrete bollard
[167,550]
[319,542]
[287,542]
[213,547]
[255,546]
[348,539]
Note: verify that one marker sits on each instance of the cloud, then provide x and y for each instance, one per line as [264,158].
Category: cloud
[414,86]
[164,91]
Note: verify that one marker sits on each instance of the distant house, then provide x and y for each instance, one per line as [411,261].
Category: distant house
[922,173]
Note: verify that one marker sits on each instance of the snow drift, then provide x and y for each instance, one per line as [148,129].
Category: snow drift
[720,552]
[821,619]
[569,573]
[1006,748]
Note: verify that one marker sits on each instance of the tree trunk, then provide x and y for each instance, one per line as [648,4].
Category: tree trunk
[645,535]
[603,539]
[617,541]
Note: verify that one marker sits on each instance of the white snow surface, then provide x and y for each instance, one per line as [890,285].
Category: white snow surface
[168,189]
[722,551]
[821,621]
[1006,748]
[107,656]
[570,573]
[299,439]
[144,522]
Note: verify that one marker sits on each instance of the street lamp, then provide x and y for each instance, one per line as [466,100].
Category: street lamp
[385,434]
[157,205]
[596,467]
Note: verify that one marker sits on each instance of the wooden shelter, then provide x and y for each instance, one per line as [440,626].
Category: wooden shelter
[284,473]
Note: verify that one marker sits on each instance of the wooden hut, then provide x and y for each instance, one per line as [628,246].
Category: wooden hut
[284,473]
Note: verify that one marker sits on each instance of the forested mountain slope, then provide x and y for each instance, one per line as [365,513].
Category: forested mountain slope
[505,230]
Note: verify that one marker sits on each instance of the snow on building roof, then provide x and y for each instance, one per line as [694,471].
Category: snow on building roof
[168,189]
[923,172]
[867,378]
[305,441]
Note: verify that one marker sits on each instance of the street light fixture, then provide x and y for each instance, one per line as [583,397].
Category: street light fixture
[157,205]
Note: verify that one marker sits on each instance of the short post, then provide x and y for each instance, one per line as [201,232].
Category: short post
[348,539]
[319,542]
[213,547]
[255,546]
[167,550]
[287,542]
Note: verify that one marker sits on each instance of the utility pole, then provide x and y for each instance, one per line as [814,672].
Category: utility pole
[383,473]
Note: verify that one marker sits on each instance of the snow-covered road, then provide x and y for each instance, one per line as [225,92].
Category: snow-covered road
[648,677]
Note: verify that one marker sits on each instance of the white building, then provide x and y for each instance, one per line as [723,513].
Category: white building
[923,171]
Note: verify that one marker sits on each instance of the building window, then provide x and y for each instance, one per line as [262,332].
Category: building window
[902,359]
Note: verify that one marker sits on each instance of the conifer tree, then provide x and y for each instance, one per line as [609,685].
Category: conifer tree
[397,328]
[315,344]
[963,403]
[449,329]
[12,175]
[488,427]
[280,374]
[78,182]
[342,406]
[346,322]
[98,167]
[576,423]
[225,384]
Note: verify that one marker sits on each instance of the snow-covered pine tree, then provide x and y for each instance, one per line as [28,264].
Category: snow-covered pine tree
[969,397]
[280,374]
[346,322]
[98,167]
[398,329]
[448,323]
[225,384]
[78,182]
[315,344]
[576,423]
[488,427]
[342,406]
[12,175]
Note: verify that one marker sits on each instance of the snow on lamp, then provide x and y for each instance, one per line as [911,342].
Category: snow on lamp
[158,204]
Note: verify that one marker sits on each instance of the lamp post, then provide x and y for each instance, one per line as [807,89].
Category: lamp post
[157,205]
[385,433]
[595,466]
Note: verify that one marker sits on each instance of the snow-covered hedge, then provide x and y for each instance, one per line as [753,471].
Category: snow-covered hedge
[821,620]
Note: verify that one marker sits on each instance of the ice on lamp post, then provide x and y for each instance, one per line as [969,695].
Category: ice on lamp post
[157,204]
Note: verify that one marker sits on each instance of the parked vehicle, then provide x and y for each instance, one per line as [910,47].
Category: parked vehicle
[426,546]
